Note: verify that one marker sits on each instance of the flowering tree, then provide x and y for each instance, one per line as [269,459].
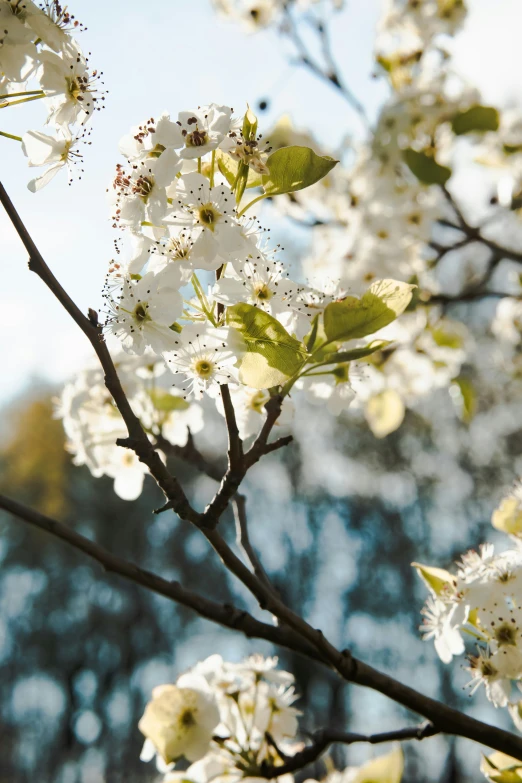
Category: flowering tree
[199,306]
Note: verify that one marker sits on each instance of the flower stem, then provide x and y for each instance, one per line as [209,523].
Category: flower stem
[10,136]
[212,168]
[199,165]
[20,94]
[5,104]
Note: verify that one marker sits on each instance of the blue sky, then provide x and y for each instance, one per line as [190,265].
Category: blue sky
[173,55]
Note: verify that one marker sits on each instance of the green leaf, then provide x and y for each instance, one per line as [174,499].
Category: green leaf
[477,119]
[271,356]
[337,357]
[435,579]
[165,402]
[426,168]
[295,168]
[379,306]
[229,168]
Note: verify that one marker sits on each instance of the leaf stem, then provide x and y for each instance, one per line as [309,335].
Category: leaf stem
[9,95]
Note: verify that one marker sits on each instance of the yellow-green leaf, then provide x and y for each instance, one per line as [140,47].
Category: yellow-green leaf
[384,769]
[384,412]
[271,356]
[295,168]
[379,306]
[229,168]
[435,579]
[508,516]
[426,168]
[477,119]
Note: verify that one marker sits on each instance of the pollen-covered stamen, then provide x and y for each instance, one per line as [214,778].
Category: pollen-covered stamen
[133,184]
[197,138]
[85,88]
[61,17]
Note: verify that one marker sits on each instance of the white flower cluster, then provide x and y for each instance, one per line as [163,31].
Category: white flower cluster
[92,423]
[40,59]
[227,719]
[232,719]
[409,26]
[482,603]
[181,217]
[258,14]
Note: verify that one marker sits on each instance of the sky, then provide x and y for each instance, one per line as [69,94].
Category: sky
[174,55]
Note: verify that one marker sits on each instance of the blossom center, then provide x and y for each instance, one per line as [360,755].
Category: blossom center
[204,368]
[208,215]
[140,314]
[506,634]
[198,138]
[187,719]
[262,292]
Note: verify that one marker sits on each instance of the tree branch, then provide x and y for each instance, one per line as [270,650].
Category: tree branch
[235,444]
[321,741]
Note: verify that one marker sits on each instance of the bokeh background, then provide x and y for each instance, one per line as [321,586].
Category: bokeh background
[337,520]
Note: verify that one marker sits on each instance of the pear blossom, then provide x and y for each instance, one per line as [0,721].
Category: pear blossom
[203,129]
[139,193]
[210,214]
[141,315]
[201,360]
[54,151]
[73,91]
[180,720]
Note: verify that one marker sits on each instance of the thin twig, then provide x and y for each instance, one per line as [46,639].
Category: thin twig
[244,543]
[321,741]
[330,73]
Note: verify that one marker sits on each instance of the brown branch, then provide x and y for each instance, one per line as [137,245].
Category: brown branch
[445,718]
[235,444]
[321,741]
[303,638]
